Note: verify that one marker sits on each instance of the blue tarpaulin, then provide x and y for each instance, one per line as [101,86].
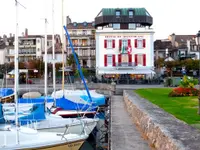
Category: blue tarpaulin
[69,105]
[35,100]
[37,114]
[2,120]
[6,92]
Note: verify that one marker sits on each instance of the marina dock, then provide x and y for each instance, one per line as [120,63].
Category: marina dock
[123,133]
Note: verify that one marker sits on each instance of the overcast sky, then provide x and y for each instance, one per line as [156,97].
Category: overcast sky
[169,16]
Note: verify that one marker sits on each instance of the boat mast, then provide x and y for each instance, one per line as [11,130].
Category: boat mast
[53,52]
[16,73]
[63,49]
[45,57]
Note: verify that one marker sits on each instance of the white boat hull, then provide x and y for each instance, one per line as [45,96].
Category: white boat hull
[32,140]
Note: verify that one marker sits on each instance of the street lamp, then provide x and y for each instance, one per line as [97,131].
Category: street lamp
[198,43]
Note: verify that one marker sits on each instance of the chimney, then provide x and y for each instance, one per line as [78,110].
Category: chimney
[10,35]
[4,38]
[68,20]
[22,34]
[26,32]
[173,38]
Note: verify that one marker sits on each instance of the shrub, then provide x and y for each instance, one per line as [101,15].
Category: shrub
[188,82]
[183,91]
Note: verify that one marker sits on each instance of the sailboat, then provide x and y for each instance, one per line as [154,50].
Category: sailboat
[25,138]
[37,116]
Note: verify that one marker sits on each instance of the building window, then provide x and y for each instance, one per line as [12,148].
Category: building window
[109,44]
[75,24]
[140,59]
[84,32]
[139,43]
[117,13]
[74,32]
[138,25]
[131,26]
[116,26]
[93,24]
[85,24]
[109,60]
[130,13]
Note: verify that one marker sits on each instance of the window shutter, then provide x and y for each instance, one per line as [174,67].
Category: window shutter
[144,59]
[129,42]
[136,61]
[113,43]
[130,60]
[113,60]
[144,43]
[136,43]
[105,43]
[119,59]
[120,45]
[105,60]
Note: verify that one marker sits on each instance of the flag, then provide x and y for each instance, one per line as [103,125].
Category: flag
[129,49]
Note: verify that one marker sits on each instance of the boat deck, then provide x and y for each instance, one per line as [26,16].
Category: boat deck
[124,134]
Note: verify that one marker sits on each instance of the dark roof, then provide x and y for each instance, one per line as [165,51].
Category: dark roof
[83,25]
[124,11]
[184,38]
[162,44]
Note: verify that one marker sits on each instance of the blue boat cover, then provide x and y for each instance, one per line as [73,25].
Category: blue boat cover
[37,114]
[98,101]
[35,100]
[6,92]
[2,120]
[69,105]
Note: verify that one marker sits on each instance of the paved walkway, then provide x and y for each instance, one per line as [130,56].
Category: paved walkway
[124,135]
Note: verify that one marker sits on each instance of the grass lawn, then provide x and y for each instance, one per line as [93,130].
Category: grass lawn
[183,108]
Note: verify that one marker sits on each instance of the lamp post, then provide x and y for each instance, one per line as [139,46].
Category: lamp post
[198,43]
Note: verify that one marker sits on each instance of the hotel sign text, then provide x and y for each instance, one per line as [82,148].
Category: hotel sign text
[123,36]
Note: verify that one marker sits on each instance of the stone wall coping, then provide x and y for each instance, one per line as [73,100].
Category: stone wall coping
[180,134]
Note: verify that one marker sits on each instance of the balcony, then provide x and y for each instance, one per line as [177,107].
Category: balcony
[27,46]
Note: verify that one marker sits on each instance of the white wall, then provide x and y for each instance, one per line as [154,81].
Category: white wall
[58,58]
[101,35]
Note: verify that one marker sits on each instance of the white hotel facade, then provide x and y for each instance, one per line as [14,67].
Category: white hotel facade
[124,42]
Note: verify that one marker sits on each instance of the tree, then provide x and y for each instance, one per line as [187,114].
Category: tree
[71,61]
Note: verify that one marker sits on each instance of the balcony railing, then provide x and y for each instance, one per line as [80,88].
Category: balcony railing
[81,35]
[126,64]
[81,45]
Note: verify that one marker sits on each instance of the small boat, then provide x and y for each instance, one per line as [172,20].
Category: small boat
[37,118]
[23,138]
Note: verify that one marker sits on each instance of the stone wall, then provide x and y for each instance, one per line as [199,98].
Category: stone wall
[163,131]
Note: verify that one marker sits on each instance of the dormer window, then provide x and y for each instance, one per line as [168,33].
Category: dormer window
[85,24]
[130,13]
[118,13]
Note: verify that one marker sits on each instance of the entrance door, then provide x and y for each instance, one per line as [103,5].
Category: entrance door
[124,59]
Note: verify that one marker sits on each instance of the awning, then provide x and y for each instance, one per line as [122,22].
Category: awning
[135,71]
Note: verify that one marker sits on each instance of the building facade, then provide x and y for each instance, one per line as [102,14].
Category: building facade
[30,48]
[83,39]
[124,42]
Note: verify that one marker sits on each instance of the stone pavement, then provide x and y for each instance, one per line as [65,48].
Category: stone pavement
[124,135]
